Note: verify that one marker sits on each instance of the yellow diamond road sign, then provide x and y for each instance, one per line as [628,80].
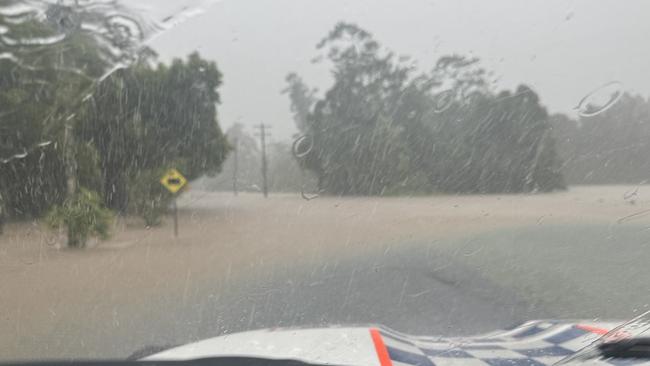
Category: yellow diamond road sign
[173,180]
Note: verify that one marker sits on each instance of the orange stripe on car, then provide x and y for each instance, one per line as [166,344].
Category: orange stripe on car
[380,347]
[596,330]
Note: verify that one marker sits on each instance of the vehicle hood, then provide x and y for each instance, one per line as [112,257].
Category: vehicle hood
[534,343]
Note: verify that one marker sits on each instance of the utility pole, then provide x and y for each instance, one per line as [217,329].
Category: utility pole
[235,166]
[263,135]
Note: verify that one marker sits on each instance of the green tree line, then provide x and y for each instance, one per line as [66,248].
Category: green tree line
[385,128]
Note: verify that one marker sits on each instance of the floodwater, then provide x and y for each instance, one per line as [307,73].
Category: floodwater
[426,264]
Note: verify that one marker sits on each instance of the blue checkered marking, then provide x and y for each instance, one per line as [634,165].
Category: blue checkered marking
[567,335]
[512,361]
[546,351]
[408,357]
[463,351]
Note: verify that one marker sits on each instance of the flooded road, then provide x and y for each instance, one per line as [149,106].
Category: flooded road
[425,265]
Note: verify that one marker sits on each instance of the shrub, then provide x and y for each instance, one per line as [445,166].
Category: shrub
[83,215]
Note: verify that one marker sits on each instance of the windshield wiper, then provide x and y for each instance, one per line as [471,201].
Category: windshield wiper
[626,348]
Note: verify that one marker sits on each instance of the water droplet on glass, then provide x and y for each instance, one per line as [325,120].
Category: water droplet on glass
[118,30]
[600,99]
[21,155]
[302,146]
[307,196]
[63,18]
[443,100]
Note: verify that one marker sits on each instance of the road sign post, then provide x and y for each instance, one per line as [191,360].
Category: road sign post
[174,181]
[175,218]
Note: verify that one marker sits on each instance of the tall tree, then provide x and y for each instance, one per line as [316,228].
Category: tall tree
[149,118]
[383,128]
[302,99]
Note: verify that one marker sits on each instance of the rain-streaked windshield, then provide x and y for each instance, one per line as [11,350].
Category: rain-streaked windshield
[176,170]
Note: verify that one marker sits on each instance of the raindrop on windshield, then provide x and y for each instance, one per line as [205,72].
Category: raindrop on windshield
[63,18]
[600,99]
[443,101]
[308,196]
[302,146]
[117,29]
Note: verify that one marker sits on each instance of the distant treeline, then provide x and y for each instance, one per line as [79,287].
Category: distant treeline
[284,172]
[612,147]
